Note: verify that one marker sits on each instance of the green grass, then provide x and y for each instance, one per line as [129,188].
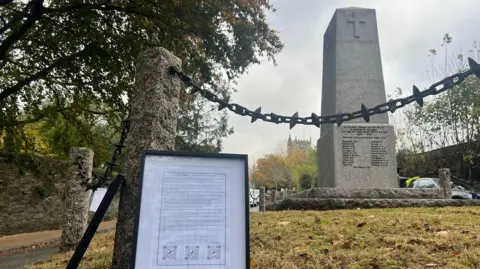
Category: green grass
[373,238]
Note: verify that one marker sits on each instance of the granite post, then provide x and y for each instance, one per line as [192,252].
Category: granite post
[445,182]
[273,196]
[261,202]
[153,123]
[75,220]
[355,154]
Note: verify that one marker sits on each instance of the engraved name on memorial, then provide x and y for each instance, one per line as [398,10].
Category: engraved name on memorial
[373,155]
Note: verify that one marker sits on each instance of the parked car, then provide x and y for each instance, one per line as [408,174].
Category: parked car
[458,192]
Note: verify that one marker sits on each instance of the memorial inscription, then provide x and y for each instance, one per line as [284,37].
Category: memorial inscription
[353,136]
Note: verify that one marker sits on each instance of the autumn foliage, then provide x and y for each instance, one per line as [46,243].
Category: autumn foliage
[281,170]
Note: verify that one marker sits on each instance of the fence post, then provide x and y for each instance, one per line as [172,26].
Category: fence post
[445,182]
[261,207]
[273,196]
[153,124]
[75,218]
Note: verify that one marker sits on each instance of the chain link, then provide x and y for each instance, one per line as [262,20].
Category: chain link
[365,113]
[100,180]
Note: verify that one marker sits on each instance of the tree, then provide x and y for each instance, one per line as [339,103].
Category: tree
[305,182]
[279,170]
[449,119]
[305,170]
[271,172]
[77,57]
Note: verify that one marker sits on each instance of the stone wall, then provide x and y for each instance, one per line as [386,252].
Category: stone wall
[427,163]
[32,191]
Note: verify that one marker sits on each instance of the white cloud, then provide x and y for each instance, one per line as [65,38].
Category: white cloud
[407,30]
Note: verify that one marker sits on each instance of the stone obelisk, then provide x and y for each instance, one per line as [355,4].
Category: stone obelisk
[355,154]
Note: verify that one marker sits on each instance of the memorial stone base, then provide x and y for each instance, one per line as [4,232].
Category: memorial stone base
[320,204]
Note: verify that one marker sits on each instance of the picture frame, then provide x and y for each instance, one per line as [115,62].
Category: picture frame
[165,173]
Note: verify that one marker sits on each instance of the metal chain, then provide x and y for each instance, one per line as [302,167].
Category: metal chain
[100,180]
[364,112]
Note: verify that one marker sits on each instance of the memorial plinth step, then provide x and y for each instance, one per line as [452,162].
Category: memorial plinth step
[395,193]
[345,203]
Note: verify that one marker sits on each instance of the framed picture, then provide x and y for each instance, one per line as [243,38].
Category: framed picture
[192,211]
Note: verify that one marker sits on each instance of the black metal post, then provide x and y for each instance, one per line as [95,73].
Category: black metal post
[97,218]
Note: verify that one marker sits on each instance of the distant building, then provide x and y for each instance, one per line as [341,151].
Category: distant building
[298,144]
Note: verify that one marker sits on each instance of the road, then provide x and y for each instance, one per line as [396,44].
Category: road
[21,259]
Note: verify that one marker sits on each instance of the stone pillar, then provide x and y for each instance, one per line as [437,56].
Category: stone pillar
[153,123]
[356,154]
[75,220]
[445,182]
[281,195]
[261,202]
[273,196]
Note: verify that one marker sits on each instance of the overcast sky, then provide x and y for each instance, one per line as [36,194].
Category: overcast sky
[408,29]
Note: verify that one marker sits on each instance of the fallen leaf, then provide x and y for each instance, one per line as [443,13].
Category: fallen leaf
[371,216]
[304,256]
[252,263]
[431,265]
[348,244]
[284,223]
[456,254]
[442,233]
[361,224]
[310,237]
[302,253]
[337,242]
[300,249]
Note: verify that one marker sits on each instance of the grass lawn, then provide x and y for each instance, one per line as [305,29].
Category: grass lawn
[370,238]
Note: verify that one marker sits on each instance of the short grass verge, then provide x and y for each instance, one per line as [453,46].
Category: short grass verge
[371,238]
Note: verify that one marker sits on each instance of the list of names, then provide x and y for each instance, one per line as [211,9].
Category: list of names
[361,143]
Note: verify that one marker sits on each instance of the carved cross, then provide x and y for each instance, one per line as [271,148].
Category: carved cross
[356,23]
